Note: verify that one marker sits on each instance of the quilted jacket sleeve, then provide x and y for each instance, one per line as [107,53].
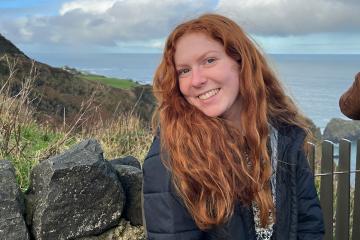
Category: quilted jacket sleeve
[310,218]
[165,215]
[349,102]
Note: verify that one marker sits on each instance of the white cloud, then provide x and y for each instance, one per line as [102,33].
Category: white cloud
[145,23]
[160,44]
[293,17]
[318,43]
[106,23]
[25,33]
[92,6]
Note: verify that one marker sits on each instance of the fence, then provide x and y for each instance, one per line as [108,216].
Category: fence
[341,221]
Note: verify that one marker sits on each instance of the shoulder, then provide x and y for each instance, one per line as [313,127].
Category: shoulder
[166,216]
[290,144]
[349,102]
[155,175]
[292,132]
[154,150]
[291,135]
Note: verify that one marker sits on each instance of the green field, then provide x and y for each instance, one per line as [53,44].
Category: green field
[113,82]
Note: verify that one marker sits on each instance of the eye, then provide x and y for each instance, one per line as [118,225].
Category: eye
[210,60]
[183,71]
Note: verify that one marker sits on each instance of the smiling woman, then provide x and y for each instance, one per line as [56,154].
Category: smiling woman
[227,161]
[208,77]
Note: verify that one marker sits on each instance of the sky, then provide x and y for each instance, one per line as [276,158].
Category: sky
[141,26]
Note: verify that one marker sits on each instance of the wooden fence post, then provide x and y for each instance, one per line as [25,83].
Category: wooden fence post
[343,191]
[326,187]
[356,210]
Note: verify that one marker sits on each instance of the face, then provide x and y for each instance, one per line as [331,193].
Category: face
[208,77]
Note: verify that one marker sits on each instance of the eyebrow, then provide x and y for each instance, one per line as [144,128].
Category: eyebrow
[198,58]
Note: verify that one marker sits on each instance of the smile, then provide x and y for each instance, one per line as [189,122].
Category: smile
[209,94]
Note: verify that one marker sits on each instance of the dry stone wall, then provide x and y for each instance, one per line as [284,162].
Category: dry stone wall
[75,195]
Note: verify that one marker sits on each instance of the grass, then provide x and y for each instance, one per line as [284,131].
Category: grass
[26,142]
[36,140]
[126,135]
[114,82]
[123,136]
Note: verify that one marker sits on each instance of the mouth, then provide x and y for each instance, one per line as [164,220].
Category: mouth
[209,94]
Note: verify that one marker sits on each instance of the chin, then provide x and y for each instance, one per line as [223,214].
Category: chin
[211,114]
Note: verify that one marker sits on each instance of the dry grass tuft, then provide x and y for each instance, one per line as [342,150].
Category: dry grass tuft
[26,142]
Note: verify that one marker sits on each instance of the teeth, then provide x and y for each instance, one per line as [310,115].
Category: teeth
[209,94]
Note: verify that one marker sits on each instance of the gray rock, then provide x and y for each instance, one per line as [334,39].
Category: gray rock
[131,179]
[129,160]
[12,222]
[338,128]
[74,194]
[124,231]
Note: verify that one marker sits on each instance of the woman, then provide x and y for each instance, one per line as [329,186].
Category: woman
[227,161]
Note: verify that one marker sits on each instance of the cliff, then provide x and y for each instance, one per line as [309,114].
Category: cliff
[6,47]
[56,90]
[338,128]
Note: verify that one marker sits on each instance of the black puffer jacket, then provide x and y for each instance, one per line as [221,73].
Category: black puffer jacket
[299,215]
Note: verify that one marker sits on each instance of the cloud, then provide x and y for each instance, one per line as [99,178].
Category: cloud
[93,6]
[293,17]
[317,43]
[134,24]
[105,23]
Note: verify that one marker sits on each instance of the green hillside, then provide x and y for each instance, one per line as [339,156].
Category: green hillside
[59,94]
[113,82]
[44,110]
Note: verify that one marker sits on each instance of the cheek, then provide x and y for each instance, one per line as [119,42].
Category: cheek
[184,90]
[183,86]
[233,81]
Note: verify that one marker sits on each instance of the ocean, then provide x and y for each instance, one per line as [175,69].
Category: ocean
[314,81]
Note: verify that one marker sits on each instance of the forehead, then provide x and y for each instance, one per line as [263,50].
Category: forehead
[191,46]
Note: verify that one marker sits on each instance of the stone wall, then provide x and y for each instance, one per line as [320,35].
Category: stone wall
[75,195]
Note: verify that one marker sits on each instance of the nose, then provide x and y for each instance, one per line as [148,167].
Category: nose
[197,78]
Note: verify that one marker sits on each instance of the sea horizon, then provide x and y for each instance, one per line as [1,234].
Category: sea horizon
[314,81]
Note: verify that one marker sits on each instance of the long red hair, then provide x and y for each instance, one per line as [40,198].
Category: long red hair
[213,164]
